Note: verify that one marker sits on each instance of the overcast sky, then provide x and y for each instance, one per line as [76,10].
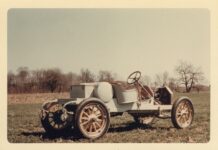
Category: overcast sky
[118,40]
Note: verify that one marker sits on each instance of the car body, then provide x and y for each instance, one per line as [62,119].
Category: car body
[91,105]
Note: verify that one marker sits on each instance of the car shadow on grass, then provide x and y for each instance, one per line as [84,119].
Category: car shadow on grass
[132,126]
[129,127]
[69,135]
[75,136]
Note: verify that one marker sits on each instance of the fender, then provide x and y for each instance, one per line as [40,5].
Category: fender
[93,99]
[181,98]
[71,106]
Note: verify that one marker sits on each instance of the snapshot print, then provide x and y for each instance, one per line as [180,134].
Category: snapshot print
[108,75]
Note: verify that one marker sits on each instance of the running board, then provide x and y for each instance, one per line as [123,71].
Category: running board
[156,113]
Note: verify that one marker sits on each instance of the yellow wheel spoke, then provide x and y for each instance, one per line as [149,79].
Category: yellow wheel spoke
[86,114]
[85,122]
[85,118]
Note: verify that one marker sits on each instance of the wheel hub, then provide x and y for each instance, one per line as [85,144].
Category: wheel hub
[92,118]
[63,117]
[184,111]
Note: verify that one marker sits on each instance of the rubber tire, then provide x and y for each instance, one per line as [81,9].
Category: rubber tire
[173,112]
[78,111]
[49,129]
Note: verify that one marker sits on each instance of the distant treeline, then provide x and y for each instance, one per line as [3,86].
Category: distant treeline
[54,80]
[51,80]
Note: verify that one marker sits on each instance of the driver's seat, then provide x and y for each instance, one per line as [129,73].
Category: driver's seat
[123,85]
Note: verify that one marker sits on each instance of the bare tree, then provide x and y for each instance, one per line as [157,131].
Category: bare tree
[188,75]
[22,79]
[11,82]
[23,73]
[106,76]
[173,85]
[86,76]
[146,80]
[38,80]
[72,78]
[162,78]
[52,79]
[66,81]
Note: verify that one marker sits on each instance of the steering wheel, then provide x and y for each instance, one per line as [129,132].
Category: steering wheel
[134,77]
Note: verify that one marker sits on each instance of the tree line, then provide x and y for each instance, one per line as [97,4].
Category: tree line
[52,80]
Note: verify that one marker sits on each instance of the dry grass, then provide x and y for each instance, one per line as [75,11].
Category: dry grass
[34,98]
[24,125]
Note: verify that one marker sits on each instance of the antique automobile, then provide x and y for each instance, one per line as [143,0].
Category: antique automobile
[90,106]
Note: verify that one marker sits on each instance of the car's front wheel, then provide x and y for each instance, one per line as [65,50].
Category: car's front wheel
[92,119]
[182,113]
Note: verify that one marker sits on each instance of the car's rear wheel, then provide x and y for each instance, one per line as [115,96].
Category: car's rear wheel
[92,119]
[182,113]
[55,118]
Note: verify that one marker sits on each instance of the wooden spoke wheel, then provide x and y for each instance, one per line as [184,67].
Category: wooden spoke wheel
[182,113]
[92,119]
[56,118]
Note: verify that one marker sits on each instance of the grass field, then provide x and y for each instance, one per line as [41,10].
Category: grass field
[24,125]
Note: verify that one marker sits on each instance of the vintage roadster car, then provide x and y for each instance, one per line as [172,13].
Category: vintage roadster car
[91,105]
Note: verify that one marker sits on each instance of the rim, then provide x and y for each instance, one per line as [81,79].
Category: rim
[57,116]
[92,120]
[184,114]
